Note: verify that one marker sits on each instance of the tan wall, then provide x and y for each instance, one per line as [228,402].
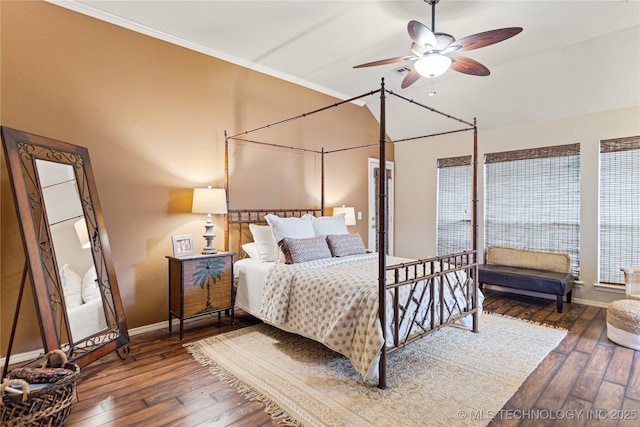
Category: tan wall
[416,237]
[153,116]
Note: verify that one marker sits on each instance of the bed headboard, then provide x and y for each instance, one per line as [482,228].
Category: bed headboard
[237,224]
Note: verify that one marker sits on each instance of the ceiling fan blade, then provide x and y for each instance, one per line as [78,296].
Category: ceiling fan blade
[386,61]
[410,79]
[487,38]
[420,34]
[469,66]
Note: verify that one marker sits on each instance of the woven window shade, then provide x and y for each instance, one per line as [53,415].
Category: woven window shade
[454,232]
[619,207]
[532,200]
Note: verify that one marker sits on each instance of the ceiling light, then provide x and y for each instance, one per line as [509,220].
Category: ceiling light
[432,65]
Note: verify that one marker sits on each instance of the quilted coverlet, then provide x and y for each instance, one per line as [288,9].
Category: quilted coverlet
[333,301]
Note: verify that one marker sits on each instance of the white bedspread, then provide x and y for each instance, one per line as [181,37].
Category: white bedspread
[336,306]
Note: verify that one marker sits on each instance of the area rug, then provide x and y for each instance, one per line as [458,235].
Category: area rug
[452,377]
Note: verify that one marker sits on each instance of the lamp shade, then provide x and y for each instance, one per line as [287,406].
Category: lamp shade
[432,65]
[350,217]
[209,201]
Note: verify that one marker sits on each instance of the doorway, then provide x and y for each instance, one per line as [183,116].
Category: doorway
[372,217]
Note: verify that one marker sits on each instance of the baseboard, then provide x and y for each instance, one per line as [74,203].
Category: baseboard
[35,354]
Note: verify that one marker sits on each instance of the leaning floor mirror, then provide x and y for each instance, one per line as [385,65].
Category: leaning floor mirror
[67,248]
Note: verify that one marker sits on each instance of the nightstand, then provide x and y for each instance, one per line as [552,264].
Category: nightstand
[200,285]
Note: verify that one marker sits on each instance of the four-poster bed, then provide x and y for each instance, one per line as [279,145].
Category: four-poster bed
[412,298]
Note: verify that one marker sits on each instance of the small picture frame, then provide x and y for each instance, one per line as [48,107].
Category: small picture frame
[182,245]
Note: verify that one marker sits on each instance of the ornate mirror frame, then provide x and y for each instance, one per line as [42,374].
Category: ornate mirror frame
[25,153]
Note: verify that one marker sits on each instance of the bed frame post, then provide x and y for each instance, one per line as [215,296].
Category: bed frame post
[474,226]
[475,186]
[322,180]
[382,240]
[226,190]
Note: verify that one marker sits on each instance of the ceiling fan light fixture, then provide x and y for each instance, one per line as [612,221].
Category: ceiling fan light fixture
[432,65]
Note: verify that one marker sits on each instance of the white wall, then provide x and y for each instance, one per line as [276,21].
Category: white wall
[415,232]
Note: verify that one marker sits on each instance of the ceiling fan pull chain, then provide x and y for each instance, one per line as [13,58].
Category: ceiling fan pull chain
[433,87]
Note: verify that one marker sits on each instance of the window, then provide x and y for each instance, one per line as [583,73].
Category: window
[532,200]
[619,207]
[454,232]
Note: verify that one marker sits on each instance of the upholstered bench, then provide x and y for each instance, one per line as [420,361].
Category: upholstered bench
[544,272]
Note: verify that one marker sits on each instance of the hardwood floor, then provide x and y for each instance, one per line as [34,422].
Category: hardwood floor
[587,380]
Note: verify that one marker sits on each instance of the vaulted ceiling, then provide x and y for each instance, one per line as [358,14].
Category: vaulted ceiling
[573,57]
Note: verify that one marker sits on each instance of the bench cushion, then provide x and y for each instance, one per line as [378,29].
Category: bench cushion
[528,279]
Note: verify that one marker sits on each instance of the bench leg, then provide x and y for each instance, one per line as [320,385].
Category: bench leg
[569,296]
[559,303]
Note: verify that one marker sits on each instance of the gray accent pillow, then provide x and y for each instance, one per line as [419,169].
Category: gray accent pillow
[346,244]
[304,249]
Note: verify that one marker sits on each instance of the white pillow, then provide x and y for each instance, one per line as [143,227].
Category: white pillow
[296,228]
[90,289]
[71,286]
[330,225]
[251,249]
[265,245]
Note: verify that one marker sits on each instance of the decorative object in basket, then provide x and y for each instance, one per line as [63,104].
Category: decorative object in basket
[47,402]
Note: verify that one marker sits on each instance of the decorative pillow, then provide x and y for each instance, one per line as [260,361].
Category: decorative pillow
[326,225]
[265,244]
[34,375]
[297,228]
[251,250]
[304,249]
[90,288]
[71,286]
[346,244]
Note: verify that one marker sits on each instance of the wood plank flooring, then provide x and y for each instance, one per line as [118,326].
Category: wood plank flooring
[586,381]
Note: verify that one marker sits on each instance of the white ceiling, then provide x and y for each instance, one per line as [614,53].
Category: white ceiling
[573,57]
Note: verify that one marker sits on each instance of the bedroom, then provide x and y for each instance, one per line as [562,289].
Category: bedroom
[153,114]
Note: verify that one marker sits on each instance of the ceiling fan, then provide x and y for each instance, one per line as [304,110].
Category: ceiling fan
[433,51]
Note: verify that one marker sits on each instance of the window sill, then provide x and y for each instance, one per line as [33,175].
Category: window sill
[616,289]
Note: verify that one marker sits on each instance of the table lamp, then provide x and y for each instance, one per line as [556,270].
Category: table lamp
[209,201]
[350,217]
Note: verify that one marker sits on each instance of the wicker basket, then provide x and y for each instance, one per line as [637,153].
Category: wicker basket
[48,406]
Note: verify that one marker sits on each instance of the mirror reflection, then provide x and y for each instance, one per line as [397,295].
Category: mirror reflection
[72,247]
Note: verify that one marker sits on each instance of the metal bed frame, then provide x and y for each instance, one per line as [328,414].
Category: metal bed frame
[437,272]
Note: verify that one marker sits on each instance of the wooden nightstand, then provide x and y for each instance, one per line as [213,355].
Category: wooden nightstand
[200,285]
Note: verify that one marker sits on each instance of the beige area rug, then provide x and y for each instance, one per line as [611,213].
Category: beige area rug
[452,377]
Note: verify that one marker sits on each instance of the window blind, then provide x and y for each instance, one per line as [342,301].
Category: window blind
[619,224]
[454,231]
[532,200]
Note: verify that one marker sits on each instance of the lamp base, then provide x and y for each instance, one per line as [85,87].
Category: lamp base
[209,235]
